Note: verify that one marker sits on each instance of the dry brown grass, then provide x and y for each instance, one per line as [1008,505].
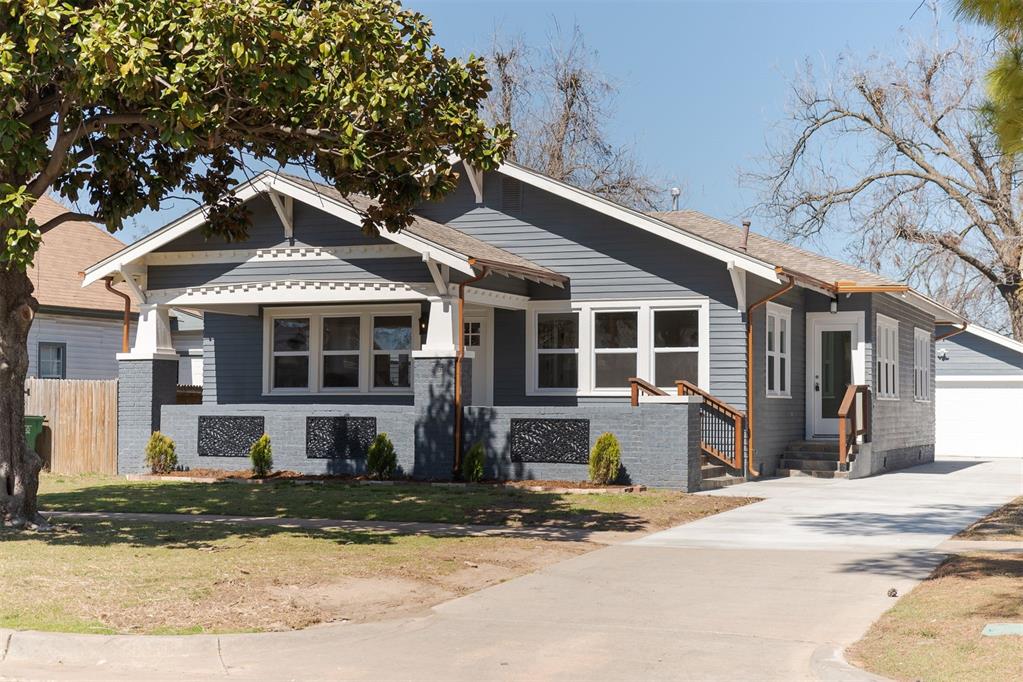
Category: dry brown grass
[108,577]
[934,633]
[1003,524]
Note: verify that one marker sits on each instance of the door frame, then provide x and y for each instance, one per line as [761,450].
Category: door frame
[486,315]
[855,320]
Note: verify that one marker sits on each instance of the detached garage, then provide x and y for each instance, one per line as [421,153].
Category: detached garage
[979,394]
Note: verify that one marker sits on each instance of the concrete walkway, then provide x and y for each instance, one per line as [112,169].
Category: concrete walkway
[768,591]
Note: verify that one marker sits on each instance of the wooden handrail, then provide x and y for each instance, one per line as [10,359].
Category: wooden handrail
[636,385]
[713,406]
[849,428]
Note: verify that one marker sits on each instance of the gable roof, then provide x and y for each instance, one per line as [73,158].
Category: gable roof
[66,251]
[433,240]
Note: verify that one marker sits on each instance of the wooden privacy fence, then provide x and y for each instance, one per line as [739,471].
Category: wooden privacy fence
[80,432]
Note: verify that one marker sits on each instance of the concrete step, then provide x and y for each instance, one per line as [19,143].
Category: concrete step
[815,474]
[820,456]
[713,470]
[808,464]
[720,482]
[821,446]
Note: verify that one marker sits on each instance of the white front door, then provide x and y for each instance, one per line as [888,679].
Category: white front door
[477,339]
[835,358]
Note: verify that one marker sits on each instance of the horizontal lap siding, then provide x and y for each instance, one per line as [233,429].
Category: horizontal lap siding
[356,270]
[969,355]
[92,344]
[605,260]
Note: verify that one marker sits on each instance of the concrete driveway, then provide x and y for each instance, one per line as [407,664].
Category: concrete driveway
[769,591]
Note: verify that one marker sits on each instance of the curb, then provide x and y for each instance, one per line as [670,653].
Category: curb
[828,663]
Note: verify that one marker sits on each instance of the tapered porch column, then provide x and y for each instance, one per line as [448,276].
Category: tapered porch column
[441,332]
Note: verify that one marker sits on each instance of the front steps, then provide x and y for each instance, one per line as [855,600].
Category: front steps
[817,458]
[715,475]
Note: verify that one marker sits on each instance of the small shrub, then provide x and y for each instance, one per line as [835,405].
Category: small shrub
[472,463]
[262,456]
[605,459]
[160,455]
[381,461]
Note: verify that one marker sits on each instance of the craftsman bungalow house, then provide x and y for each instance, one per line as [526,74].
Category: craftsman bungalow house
[686,337]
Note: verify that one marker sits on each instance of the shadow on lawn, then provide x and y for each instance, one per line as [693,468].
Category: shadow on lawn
[401,503]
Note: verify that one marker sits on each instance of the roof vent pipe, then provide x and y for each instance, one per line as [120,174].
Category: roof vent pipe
[745,235]
[675,192]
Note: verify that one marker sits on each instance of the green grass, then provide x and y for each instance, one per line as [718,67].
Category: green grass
[478,504]
[171,578]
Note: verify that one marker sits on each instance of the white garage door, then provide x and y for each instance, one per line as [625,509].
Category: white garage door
[980,418]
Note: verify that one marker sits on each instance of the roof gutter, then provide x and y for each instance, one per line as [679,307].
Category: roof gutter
[749,365]
[126,325]
[459,357]
[948,335]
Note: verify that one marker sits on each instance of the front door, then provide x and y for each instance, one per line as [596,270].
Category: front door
[836,361]
[475,332]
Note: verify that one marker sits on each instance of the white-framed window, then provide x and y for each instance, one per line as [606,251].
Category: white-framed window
[339,349]
[52,360]
[593,347]
[922,364]
[778,349]
[886,351]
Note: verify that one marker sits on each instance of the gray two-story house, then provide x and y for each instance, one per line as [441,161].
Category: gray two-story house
[531,316]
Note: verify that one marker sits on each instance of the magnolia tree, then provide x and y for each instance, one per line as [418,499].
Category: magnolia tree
[119,103]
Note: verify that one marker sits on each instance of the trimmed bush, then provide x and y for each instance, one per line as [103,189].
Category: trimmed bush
[472,463]
[160,455]
[605,459]
[262,456]
[381,461]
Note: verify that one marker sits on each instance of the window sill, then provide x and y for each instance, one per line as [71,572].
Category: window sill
[921,400]
[890,398]
[787,396]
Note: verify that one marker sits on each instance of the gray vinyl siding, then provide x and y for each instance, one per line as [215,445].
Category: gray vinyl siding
[355,270]
[778,421]
[91,344]
[970,355]
[605,260]
[233,367]
[313,227]
[903,427]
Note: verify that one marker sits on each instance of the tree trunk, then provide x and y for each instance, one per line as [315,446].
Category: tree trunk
[19,466]
[1014,300]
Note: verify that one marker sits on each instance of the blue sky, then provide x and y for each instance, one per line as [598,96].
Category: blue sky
[701,85]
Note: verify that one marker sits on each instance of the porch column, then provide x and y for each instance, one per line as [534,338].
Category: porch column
[433,383]
[441,332]
[147,379]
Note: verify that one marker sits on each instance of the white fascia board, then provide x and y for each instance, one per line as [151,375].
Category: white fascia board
[980,379]
[938,311]
[181,226]
[289,292]
[994,337]
[349,214]
[640,220]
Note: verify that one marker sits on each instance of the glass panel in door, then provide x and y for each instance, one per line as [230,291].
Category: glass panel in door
[835,370]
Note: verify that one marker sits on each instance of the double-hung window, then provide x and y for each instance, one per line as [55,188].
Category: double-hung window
[778,344]
[886,348]
[392,351]
[615,347]
[676,347]
[291,352]
[52,360]
[342,340]
[921,364]
[557,350]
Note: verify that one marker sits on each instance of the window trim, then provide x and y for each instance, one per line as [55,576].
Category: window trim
[889,324]
[778,312]
[645,360]
[316,315]
[922,341]
[63,358]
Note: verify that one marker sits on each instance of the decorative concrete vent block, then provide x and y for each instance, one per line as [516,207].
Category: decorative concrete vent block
[339,437]
[565,441]
[228,436]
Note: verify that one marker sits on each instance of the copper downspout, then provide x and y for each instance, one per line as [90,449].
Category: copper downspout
[948,335]
[458,366]
[127,312]
[749,367]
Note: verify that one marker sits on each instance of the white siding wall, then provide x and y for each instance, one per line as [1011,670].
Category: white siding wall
[92,344]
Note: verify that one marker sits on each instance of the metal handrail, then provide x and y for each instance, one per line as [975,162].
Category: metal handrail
[731,452]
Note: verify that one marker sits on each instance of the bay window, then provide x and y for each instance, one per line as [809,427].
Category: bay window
[349,349]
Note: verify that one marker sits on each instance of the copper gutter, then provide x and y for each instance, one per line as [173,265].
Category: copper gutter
[127,312]
[948,335]
[458,366]
[749,364]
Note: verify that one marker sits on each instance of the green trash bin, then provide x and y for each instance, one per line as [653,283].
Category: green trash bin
[33,427]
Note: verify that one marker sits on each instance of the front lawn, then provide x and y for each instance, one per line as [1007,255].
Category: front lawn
[1005,523]
[174,578]
[934,632]
[477,504]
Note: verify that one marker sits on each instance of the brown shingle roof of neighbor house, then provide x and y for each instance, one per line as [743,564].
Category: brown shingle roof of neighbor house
[478,251]
[66,251]
[780,254]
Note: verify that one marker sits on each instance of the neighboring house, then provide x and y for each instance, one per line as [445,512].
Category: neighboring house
[322,336]
[77,332]
[979,393]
